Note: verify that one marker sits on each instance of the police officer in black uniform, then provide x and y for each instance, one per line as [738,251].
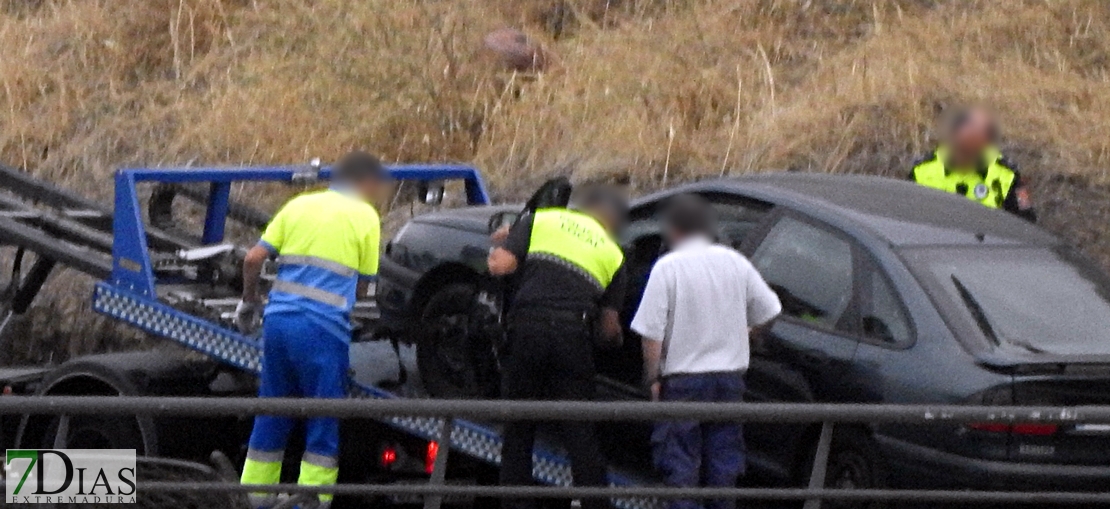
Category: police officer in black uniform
[569,286]
[969,163]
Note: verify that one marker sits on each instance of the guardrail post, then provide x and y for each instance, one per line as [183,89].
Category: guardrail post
[820,464]
[4,323]
[61,435]
[439,468]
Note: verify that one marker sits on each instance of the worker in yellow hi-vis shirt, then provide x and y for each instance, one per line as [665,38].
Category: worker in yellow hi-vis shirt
[326,246]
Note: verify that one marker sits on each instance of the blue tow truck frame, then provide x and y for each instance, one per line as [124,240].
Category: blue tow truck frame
[130,293]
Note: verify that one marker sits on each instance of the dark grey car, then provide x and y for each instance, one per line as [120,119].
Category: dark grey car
[892,294]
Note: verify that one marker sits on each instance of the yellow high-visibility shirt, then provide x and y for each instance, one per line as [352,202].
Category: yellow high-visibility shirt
[325,241]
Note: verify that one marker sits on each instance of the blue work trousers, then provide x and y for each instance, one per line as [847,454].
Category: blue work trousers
[301,358]
[691,453]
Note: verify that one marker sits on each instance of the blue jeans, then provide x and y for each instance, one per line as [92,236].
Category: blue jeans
[691,453]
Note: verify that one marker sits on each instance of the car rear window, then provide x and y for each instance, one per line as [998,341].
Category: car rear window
[1028,300]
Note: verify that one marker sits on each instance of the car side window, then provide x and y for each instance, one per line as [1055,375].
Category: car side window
[884,317]
[736,217]
[812,271]
[643,241]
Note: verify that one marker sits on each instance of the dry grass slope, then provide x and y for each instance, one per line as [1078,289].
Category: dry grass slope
[658,90]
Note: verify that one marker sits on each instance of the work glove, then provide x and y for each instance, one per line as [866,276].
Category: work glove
[248,316]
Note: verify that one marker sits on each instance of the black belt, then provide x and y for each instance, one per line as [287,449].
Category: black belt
[679,376]
[584,320]
[580,315]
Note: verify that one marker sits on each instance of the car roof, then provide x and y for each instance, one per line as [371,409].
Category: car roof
[466,218]
[899,212]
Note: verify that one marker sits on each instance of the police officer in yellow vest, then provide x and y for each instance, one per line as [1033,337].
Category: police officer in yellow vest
[970,164]
[570,282]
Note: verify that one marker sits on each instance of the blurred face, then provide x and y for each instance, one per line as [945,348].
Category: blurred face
[371,190]
[672,235]
[606,219]
[974,136]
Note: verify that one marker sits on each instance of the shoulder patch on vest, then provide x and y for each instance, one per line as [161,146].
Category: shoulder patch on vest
[1008,163]
[927,158]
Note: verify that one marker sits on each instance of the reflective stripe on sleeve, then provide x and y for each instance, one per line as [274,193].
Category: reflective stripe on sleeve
[309,292]
[314,261]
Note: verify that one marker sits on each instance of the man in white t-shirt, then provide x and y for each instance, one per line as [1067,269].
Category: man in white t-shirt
[699,305]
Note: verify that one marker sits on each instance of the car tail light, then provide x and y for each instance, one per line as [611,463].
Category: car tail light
[1039,430]
[430,457]
[990,427]
[389,456]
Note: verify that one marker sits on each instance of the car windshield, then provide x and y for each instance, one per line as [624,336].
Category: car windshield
[1037,300]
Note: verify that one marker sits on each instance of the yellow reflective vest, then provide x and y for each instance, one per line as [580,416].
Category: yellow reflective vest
[577,242]
[989,184]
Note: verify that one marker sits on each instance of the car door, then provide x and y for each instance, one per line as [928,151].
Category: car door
[804,356]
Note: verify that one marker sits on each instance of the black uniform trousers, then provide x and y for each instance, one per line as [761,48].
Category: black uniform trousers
[550,357]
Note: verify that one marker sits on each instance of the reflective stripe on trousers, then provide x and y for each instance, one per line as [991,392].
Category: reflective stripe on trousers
[308,292]
[264,467]
[319,470]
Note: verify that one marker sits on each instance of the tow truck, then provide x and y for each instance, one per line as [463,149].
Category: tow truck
[155,272]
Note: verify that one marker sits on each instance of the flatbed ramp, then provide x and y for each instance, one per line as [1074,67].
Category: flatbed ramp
[180,287]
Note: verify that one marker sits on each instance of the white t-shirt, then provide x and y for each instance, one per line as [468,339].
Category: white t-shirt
[700,300]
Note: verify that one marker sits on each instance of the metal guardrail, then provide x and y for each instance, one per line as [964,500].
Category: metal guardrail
[772,494]
[435,490]
[500,410]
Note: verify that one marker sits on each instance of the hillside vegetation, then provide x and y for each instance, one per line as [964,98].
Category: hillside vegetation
[659,91]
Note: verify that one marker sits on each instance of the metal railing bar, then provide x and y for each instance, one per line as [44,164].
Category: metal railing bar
[61,436]
[661,492]
[820,464]
[439,468]
[547,410]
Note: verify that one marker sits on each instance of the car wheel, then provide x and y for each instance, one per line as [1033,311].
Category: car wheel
[455,342]
[854,464]
[95,432]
